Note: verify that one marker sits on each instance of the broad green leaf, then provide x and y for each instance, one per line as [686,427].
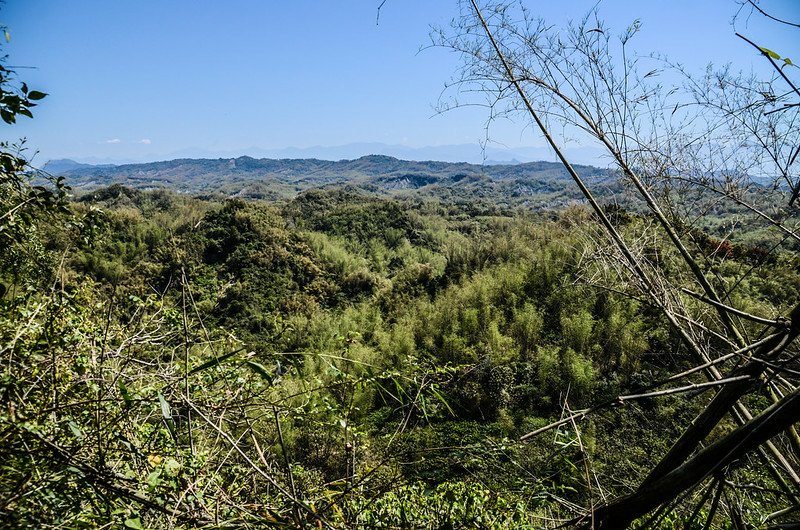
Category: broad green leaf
[767,51]
[134,523]
[165,410]
[75,470]
[172,467]
[35,95]
[261,370]
[75,430]
[154,479]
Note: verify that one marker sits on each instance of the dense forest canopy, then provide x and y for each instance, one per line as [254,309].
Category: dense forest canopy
[348,353]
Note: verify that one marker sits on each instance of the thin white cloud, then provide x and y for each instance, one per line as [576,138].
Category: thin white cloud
[113,141]
[145,141]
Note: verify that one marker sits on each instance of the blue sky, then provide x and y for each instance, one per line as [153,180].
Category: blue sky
[153,79]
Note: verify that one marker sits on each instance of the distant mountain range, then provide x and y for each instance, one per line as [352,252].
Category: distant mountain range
[467,152]
[472,153]
[545,182]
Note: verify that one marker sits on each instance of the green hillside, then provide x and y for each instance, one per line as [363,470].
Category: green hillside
[543,184]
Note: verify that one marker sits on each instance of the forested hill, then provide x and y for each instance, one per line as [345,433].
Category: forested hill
[270,178]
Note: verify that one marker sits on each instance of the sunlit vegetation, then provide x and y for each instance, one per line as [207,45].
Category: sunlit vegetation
[153,340]
[386,344]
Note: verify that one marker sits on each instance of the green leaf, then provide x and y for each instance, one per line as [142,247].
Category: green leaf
[75,430]
[767,51]
[787,61]
[134,523]
[154,479]
[215,361]
[35,95]
[75,470]
[172,467]
[124,441]
[126,396]
[261,370]
[165,410]
[441,398]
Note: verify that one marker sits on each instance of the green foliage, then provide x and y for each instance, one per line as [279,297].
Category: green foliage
[356,357]
[448,505]
[413,351]
[23,202]
[16,99]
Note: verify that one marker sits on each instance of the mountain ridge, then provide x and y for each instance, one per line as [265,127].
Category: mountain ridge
[268,178]
[473,153]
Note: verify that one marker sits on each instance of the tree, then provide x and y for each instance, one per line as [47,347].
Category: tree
[719,141]
[21,201]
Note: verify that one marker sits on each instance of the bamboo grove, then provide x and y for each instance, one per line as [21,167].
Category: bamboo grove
[343,358]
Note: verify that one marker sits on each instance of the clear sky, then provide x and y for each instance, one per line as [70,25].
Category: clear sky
[152,79]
